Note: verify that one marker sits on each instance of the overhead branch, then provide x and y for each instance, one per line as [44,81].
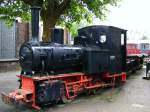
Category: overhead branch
[62,7]
[1,1]
[34,2]
[50,7]
[30,2]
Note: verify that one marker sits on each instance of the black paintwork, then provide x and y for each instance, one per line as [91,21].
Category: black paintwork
[35,11]
[117,56]
[88,54]
[57,35]
[50,58]
[147,68]
[48,92]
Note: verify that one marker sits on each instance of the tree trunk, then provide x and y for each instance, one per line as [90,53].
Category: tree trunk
[48,24]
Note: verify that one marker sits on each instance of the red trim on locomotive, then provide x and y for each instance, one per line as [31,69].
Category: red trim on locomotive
[74,83]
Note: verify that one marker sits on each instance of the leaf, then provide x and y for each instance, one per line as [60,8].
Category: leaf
[76,14]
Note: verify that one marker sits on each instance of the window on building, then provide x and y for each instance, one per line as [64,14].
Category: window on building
[7,41]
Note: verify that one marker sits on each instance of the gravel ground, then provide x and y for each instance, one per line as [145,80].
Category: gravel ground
[131,97]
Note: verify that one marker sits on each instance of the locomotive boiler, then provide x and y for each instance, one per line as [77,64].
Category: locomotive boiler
[54,72]
[50,58]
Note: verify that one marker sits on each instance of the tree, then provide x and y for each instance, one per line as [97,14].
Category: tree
[56,12]
[144,37]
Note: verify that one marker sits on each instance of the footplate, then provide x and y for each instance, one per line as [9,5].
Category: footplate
[8,100]
[17,97]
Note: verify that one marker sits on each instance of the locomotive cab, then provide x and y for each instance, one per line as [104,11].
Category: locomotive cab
[107,38]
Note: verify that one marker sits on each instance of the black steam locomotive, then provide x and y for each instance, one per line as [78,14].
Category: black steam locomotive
[96,49]
[53,72]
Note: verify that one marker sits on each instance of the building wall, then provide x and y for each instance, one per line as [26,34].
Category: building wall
[7,41]
[11,38]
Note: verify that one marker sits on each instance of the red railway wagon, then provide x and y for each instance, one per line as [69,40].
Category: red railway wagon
[132,48]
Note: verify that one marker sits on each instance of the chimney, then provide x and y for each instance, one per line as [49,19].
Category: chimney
[35,14]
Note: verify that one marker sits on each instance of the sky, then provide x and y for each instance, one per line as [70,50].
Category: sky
[132,15]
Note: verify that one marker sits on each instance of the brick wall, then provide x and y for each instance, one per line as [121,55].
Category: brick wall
[22,35]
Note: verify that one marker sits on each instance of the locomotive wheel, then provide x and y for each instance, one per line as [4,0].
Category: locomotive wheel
[20,83]
[92,92]
[64,98]
[118,84]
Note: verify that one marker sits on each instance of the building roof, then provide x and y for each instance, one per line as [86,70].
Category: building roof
[138,41]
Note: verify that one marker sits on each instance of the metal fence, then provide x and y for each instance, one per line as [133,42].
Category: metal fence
[7,41]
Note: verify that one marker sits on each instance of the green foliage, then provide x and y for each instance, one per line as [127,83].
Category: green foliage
[82,13]
[9,11]
[74,14]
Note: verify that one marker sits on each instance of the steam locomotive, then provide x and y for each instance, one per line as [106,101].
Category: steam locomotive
[53,72]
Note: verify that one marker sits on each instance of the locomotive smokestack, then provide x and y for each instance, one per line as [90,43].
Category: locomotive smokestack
[35,14]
